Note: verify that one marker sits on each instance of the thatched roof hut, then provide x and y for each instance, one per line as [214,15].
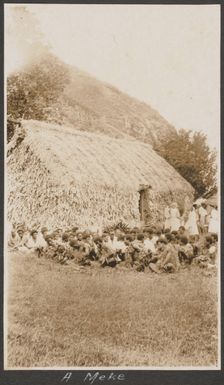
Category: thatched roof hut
[61,176]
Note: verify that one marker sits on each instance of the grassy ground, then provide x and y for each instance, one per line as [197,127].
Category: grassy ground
[59,317]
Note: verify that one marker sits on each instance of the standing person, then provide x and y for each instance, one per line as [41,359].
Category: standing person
[192,222]
[174,217]
[213,221]
[167,217]
[187,208]
[202,212]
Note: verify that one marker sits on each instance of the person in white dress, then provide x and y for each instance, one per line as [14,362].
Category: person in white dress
[34,244]
[174,217]
[202,217]
[213,226]
[186,209]
[192,222]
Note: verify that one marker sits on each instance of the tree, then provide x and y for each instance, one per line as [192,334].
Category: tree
[191,156]
[33,93]
[34,90]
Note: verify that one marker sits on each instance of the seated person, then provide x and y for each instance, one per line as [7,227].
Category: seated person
[13,240]
[156,235]
[141,257]
[33,243]
[169,260]
[61,255]
[23,238]
[50,251]
[82,250]
[120,248]
[65,238]
[90,246]
[149,243]
[211,246]
[186,252]
[44,232]
[182,231]
[42,237]
[129,250]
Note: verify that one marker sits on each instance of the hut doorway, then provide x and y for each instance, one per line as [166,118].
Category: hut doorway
[144,207]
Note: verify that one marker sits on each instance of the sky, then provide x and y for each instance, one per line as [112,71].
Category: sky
[165,55]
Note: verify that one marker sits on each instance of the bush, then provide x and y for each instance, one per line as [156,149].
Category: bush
[34,93]
[191,156]
[117,226]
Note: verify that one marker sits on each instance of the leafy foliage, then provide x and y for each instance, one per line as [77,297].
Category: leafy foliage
[117,226]
[32,94]
[191,156]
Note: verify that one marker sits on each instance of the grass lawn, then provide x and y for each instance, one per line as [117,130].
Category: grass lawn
[107,317]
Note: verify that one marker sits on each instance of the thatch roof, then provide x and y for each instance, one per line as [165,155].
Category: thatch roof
[59,175]
[76,156]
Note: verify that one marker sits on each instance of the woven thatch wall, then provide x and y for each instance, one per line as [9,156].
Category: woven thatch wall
[63,177]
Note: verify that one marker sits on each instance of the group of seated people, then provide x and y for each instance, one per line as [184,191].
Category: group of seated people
[160,250]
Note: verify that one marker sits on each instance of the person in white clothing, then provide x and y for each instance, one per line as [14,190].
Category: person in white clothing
[167,217]
[23,238]
[119,244]
[111,241]
[202,212]
[149,244]
[213,226]
[174,217]
[34,244]
[192,222]
[41,240]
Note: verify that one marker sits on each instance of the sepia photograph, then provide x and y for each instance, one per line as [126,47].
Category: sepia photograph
[112,187]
